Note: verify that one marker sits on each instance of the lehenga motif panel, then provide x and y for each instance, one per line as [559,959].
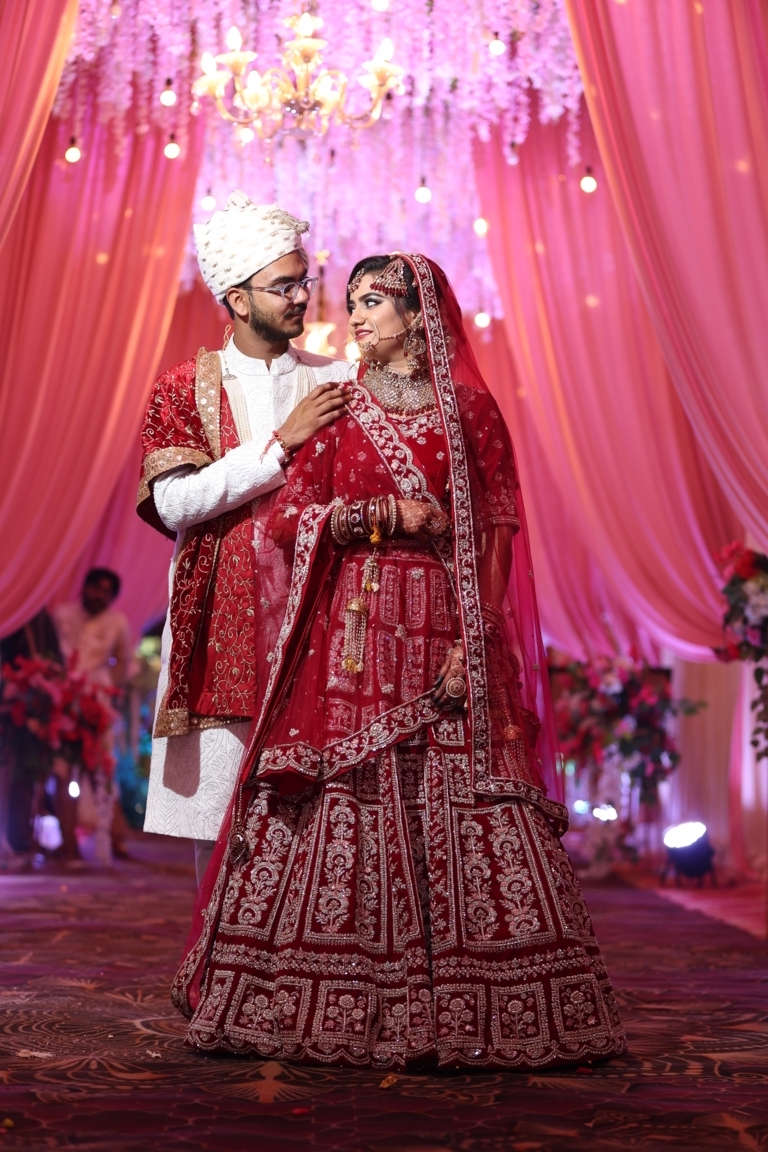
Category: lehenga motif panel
[312,963]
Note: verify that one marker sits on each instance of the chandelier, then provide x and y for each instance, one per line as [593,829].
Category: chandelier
[305,104]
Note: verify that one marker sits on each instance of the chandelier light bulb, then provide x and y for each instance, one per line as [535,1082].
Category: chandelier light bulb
[588,182]
[168,96]
[234,40]
[208,64]
[208,202]
[172,149]
[246,135]
[386,49]
[423,194]
[73,153]
[482,320]
[115,10]
[380,5]
[306,25]
[481,226]
[497,47]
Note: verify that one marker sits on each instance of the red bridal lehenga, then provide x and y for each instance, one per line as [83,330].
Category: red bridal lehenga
[389,887]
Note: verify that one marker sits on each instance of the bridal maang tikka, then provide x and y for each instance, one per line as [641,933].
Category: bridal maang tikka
[391,280]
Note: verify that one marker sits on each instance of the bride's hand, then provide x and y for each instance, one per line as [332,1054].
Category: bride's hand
[419,518]
[450,690]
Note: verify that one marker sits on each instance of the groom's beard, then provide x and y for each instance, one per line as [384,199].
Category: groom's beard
[291,326]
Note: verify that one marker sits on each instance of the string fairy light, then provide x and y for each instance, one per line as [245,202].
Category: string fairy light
[358,190]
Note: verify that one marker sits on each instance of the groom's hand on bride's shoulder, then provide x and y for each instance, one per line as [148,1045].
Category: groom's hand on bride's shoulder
[324,404]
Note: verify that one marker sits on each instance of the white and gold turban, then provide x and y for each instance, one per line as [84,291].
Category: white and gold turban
[242,239]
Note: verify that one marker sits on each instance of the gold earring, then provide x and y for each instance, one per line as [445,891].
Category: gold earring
[414,344]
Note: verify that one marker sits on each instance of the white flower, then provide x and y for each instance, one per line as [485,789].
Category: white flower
[611,684]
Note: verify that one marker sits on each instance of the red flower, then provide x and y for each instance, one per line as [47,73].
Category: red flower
[731,651]
[745,566]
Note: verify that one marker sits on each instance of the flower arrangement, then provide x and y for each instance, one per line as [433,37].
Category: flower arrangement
[620,707]
[746,625]
[46,709]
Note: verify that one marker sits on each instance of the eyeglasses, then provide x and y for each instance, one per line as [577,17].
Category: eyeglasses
[290,291]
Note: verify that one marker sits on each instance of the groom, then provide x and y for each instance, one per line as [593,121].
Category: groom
[217,434]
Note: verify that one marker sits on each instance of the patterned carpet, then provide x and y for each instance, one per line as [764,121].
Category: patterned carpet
[92,1054]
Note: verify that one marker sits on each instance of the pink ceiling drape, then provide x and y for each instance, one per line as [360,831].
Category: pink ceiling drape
[119,540]
[88,285]
[608,421]
[678,95]
[35,38]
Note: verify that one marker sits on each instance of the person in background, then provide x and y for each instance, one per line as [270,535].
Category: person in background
[17,787]
[97,639]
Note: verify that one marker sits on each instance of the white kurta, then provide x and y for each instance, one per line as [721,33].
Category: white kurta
[192,777]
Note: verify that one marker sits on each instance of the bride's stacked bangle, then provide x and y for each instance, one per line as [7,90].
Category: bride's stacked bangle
[363,518]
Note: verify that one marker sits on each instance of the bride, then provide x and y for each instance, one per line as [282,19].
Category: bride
[389,887]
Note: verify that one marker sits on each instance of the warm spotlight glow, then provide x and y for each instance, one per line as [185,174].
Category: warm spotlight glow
[423,194]
[683,835]
[605,812]
[481,226]
[73,153]
[497,47]
[591,301]
[74,789]
[352,352]
[115,10]
[172,150]
[168,96]
[482,319]
[246,135]
[380,5]
[208,202]
[234,39]
[588,182]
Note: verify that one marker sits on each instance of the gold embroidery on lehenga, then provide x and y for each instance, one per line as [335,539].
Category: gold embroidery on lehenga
[332,905]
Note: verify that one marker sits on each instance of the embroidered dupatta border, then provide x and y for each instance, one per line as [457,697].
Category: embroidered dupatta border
[341,755]
[309,529]
[468,598]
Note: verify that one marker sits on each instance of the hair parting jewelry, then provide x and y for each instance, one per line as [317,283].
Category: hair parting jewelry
[355,282]
[391,280]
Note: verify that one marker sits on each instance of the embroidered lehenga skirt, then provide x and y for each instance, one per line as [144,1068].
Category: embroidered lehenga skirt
[393,917]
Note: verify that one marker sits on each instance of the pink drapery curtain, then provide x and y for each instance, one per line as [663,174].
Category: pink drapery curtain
[35,38]
[608,421]
[678,95]
[120,540]
[580,615]
[88,285]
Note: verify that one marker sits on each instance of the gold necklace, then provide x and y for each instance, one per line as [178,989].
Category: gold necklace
[398,392]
